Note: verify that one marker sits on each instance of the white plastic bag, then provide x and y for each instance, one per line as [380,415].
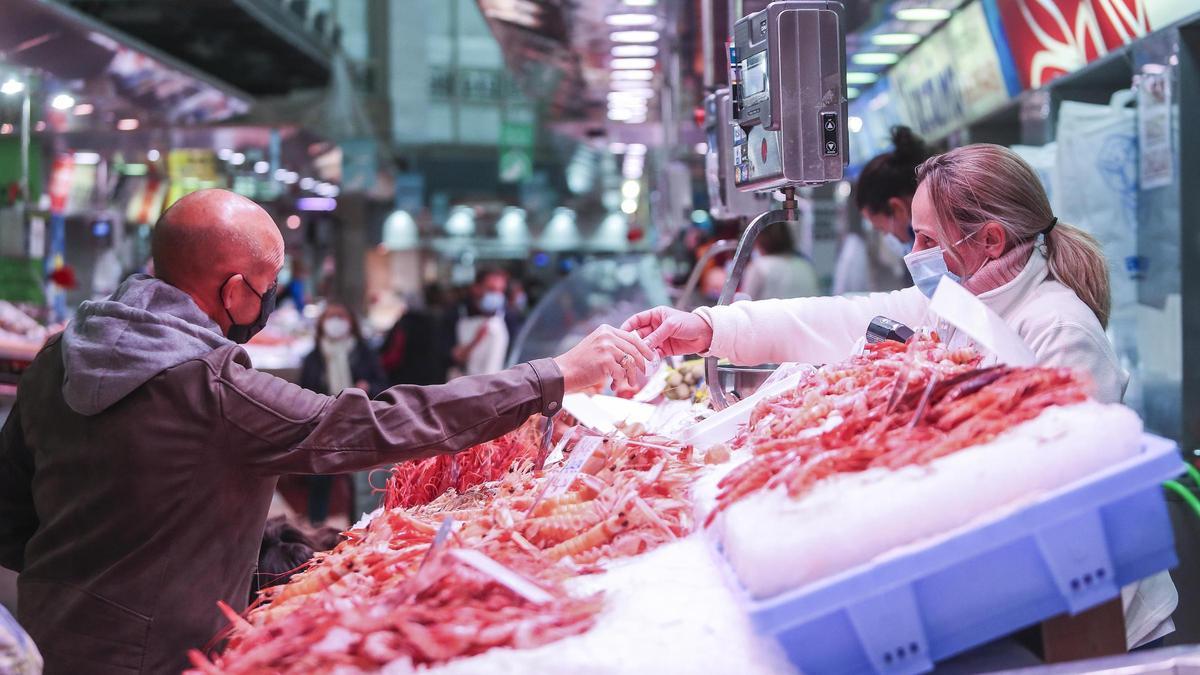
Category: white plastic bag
[1096,186]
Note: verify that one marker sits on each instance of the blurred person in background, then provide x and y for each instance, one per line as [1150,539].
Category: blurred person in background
[779,271]
[886,187]
[481,336]
[852,271]
[340,360]
[516,309]
[292,284]
[416,349]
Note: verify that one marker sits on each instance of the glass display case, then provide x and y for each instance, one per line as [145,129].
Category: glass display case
[600,291]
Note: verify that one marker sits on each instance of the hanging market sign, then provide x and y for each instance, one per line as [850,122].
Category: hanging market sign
[1050,39]
[954,76]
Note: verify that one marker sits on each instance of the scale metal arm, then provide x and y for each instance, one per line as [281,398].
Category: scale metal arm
[787,214]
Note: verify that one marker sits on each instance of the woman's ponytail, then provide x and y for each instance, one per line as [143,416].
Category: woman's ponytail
[1076,262]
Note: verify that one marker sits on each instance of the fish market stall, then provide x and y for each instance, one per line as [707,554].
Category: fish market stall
[834,526]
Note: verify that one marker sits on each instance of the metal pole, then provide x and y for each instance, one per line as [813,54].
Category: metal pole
[735,12]
[707,40]
[25,124]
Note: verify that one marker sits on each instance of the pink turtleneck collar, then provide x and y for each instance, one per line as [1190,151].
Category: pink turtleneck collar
[999,271]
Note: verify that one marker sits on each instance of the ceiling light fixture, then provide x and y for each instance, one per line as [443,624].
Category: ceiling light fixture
[895,39]
[855,77]
[640,3]
[626,20]
[62,102]
[852,92]
[875,58]
[634,75]
[633,64]
[923,14]
[128,124]
[84,109]
[12,86]
[634,36]
[622,51]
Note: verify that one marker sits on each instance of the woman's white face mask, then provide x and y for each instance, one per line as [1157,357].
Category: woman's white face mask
[336,328]
[928,266]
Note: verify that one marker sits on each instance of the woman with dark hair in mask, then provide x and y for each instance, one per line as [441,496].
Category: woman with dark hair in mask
[886,187]
[342,359]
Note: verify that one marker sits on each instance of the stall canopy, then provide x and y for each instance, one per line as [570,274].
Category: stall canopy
[73,47]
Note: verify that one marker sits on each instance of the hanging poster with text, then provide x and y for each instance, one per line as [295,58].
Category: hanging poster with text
[952,77]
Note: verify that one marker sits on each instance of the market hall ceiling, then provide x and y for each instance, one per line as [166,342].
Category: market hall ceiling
[262,47]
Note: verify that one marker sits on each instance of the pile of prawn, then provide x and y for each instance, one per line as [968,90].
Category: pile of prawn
[892,406]
[389,595]
[414,483]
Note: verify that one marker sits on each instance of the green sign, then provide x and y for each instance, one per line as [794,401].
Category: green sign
[516,151]
[516,165]
[21,280]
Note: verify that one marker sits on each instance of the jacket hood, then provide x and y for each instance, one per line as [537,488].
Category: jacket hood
[116,345]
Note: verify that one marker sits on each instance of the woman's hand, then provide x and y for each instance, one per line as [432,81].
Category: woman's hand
[671,331]
[606,353]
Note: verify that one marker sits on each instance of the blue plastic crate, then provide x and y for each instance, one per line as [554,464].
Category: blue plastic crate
[1066,552]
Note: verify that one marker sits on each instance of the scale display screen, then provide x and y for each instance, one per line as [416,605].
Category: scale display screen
[754,75]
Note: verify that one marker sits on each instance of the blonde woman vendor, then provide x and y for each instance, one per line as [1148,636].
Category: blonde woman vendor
[981,216]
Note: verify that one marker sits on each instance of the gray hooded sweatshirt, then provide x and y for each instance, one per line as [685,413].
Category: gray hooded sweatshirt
[114,346]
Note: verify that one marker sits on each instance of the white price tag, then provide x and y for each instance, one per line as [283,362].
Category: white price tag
[556,455]
[506,577]
[439,541]
[562,479]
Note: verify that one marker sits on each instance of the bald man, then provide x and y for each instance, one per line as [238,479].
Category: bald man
[139,460]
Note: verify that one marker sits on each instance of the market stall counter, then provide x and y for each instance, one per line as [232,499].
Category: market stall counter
[837,528]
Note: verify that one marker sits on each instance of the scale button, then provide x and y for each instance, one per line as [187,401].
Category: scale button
[829,125]
[831,147]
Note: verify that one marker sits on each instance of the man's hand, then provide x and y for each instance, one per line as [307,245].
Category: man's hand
[670,331]
[606,353]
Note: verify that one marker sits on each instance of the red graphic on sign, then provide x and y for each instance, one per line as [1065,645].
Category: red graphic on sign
[1050,39]
[763,151]
[60,183]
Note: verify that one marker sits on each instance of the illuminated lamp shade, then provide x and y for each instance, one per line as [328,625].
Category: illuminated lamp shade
[561,232]
[461,222]
[512,228]
[612,234]
[400,231]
